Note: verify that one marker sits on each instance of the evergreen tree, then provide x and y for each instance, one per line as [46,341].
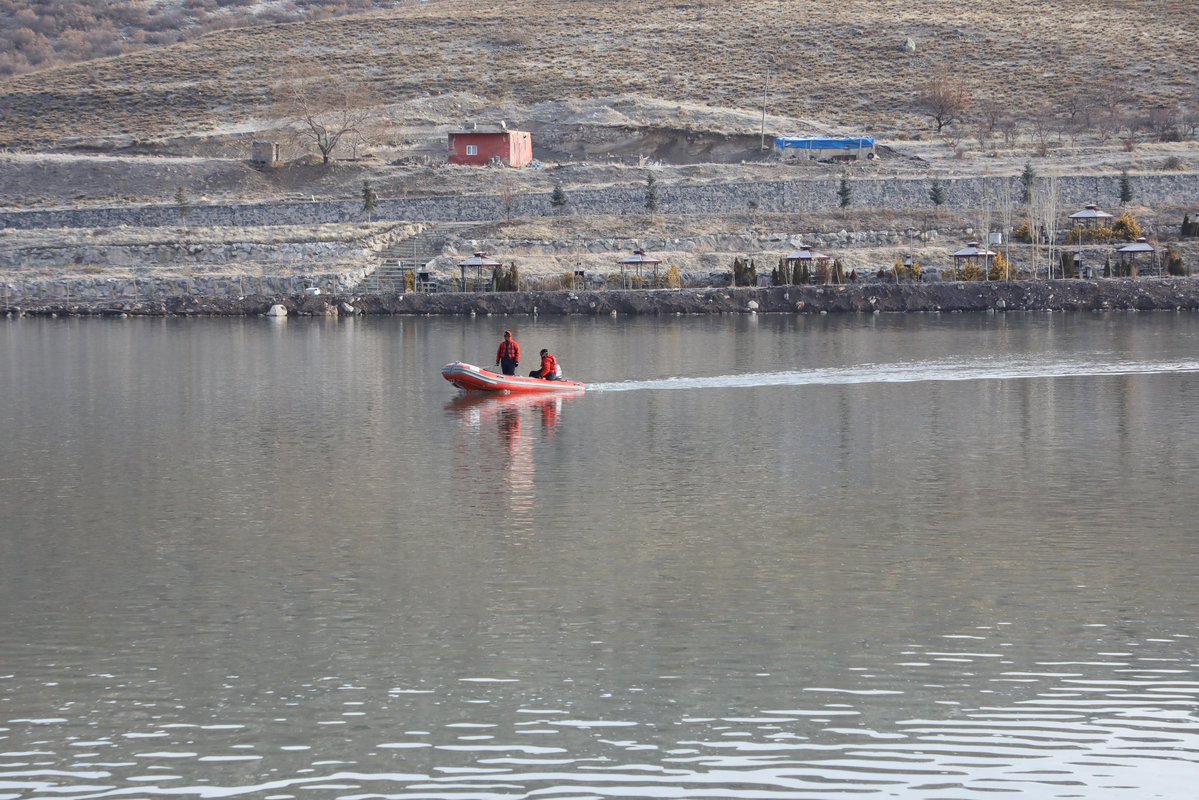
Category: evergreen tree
[370,200]
[745,272]
[182,203]
[1026,179]
[936,193]
[1125,188]
[558,197]
[845,192]
[651,194]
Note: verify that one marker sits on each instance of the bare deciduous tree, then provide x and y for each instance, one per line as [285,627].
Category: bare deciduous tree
[1045,122]
[324,113]
[508,194]
[1110,99]
[984,221]
[1190,114]
[1165,122]
[1006,201]
[943,99]
[1050,199]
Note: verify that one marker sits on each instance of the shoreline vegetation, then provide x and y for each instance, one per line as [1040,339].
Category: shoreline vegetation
[1132,294]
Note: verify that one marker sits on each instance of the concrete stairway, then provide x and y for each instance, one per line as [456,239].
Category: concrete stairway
[403,259]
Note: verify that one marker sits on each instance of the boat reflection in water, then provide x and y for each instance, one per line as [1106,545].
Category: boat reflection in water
[498,435]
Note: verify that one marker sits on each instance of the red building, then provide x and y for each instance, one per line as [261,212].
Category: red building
[482,145]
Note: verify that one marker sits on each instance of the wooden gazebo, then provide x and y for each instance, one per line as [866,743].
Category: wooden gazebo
[1091,217]
[973,254]
[1131,254]
[805,258]
[478,261]
[638,259]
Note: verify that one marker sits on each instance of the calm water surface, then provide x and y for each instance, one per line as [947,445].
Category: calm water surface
[762,557]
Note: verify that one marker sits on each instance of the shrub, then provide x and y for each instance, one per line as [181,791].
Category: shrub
[1174,263]
[904,273]
[1001,270]
[968,272]
[674,277]
[1102,233]
[1127,228]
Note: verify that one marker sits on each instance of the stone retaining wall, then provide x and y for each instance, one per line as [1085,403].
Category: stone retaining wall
[99,289]
[1174,295]
[738,243]
[181,254]
[710,198]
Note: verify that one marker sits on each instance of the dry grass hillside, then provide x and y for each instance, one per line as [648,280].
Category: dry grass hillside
[50,33]
[832,64]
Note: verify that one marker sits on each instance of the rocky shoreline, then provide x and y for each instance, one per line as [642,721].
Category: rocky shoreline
[1140,294]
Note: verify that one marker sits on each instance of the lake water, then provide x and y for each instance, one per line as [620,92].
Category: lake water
[762,557]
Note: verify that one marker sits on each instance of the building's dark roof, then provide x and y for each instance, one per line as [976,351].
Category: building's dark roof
[806,254]
[479,260]
[639,257]
[1139,246]
[972,250]
[1091,212]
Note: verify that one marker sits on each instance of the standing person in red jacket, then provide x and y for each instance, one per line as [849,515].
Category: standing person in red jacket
[550,370]
[508,356]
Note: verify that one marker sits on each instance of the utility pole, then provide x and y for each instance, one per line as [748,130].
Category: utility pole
[765,89]
[770,62]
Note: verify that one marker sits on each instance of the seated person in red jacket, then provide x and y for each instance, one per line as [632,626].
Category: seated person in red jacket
[550,370]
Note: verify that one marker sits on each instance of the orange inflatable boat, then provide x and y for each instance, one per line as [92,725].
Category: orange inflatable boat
[476,379]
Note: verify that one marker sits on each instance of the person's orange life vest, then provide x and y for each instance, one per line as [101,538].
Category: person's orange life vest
[508,349]
[549,366]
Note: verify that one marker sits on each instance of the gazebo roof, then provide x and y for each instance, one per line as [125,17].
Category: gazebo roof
[806,254]
[972,250]
[639,257]
[1139,246]
[1091,212]
[479,260]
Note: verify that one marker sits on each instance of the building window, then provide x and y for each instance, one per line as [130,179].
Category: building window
[472,149]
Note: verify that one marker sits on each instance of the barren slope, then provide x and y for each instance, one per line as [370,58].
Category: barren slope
[841,63]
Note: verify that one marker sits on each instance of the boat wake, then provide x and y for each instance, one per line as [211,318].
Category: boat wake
[914,372]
